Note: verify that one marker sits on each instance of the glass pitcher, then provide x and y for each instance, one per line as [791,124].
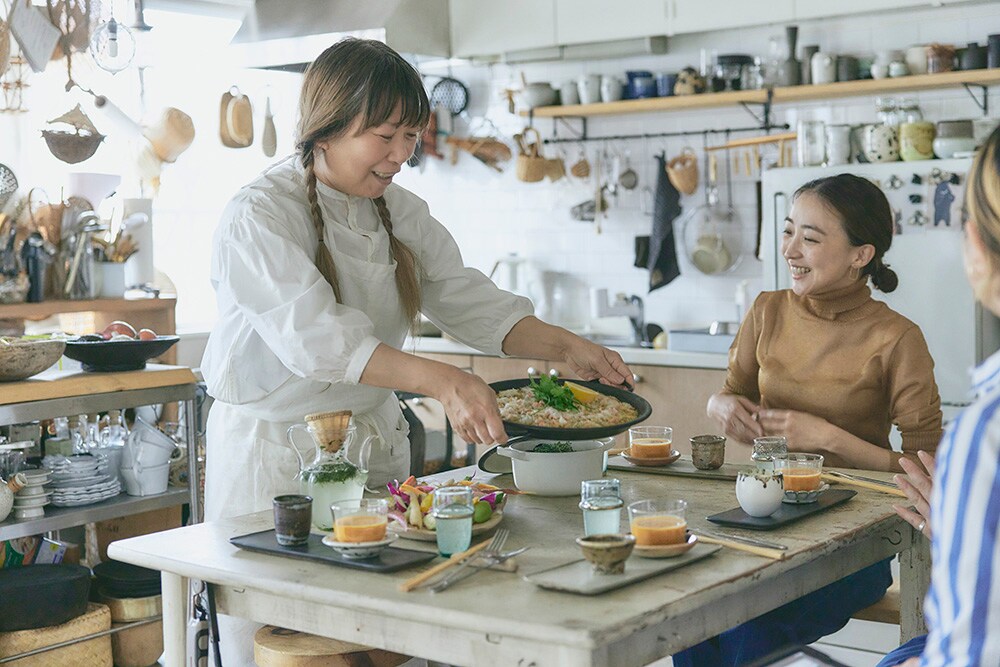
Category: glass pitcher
[338,468]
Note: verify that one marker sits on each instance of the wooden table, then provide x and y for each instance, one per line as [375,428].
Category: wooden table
[497,618]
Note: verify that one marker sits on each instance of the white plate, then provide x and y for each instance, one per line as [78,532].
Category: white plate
[359,549]
[804,497]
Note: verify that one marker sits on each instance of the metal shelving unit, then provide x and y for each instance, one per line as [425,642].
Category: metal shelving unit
[60,393]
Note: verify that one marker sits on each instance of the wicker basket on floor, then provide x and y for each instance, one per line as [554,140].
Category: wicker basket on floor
[93,652]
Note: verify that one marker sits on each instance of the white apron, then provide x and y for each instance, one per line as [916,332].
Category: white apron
[249,460]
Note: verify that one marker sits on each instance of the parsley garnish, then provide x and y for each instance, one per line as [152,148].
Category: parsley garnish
[553,394]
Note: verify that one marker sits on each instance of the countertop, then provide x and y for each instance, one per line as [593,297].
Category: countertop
[631,355]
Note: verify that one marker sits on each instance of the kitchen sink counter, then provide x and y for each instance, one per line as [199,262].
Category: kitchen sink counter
[631,355]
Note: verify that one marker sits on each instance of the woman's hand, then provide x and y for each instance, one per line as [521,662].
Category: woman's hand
[804,432]
[917,485]
[593,362]
[736,415]
[471,406]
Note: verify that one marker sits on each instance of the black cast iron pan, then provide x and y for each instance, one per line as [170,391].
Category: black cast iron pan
[518,432]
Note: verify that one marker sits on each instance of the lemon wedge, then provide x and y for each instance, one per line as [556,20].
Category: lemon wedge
[581,393]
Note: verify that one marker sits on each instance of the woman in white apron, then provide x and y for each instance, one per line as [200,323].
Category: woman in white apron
[320,266]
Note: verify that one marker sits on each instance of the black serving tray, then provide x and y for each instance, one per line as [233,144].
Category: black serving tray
[786,514]
[390,560]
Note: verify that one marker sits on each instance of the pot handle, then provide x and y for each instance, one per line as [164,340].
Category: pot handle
[610,444]
[512,453]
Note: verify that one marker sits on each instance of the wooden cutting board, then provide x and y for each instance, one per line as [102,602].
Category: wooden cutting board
[682,466]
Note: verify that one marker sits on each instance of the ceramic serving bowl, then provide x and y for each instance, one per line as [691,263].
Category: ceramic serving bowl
[607,553]
[759,493]
[20,359]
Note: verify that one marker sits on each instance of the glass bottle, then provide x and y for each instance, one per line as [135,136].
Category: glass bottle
[765,449]
[885,111]
[909,111]
[77,434]
[113,434]
[338,468]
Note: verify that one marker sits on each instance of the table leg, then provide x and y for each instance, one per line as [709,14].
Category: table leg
[914,580]
[175,615]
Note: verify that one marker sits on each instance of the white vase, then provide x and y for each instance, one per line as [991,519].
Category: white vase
[112,279]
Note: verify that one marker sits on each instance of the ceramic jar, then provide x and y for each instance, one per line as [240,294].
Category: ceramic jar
[824,68]
[916,59]
[589,88]
[953,136]
[569,93]
[974,57]
[916,140]
[838,145]
[611,88]
[993,51]
[879,143]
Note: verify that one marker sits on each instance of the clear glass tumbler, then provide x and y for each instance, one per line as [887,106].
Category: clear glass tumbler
[658,522]
[801,472]
[766,448]
[650,442]
[452,511]
[601,502]
[364,520]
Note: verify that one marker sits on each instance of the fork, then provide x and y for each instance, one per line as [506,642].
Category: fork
[494,549]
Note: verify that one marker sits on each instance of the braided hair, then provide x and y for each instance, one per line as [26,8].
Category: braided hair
[359,78]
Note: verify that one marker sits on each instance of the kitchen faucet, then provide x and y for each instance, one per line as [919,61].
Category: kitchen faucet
[631,307]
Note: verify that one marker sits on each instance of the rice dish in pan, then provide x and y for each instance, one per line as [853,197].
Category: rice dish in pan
[522,406]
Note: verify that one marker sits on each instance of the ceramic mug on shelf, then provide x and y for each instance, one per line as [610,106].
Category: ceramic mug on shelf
[916,59]
[879,143]
[824,68]
[916,140]
[589,88]
[569,93]
[838,145]
[611,88]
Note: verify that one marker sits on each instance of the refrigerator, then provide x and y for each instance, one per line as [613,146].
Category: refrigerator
[926,253]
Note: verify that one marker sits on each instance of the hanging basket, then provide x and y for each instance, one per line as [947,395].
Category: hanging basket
[531,164]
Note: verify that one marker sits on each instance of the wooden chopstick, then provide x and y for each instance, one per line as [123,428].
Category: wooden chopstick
[749,548]
[863,484]
[455,559]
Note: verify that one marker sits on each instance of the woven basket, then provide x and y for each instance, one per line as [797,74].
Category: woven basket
[92,653]
[531,165]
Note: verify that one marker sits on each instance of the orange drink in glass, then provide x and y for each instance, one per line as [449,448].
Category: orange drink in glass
[362,520]
[801,472]
[658,522]
[650,442]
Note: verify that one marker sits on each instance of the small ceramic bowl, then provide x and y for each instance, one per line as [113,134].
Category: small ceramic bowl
[667,550]
[804,497]
[36,501]
[22,513]
[359,550]
[759,493]
[607,553]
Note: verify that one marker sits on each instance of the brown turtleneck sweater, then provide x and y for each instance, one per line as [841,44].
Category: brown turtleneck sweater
[842,356]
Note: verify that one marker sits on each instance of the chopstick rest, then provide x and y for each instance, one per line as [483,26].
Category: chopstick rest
[850,481]
[455,559]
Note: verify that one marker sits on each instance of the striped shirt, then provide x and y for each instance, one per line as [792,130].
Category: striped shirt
[963,605]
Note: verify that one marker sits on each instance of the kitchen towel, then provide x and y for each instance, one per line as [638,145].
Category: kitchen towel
[662,261]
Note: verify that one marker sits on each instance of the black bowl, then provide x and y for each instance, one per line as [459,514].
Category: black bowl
[117,355]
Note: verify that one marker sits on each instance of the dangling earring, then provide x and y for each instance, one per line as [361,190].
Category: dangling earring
[855,273]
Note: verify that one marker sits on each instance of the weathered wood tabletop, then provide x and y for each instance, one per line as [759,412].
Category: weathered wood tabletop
[497,618]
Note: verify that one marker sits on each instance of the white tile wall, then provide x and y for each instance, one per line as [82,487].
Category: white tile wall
[492,215]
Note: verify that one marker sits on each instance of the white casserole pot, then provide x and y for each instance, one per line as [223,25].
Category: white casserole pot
[556,474]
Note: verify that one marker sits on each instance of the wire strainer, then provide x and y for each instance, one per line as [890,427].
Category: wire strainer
[8,185]
[451,94]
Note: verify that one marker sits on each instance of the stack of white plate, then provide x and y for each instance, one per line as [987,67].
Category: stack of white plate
[29,502]
[73,496]
[80,480]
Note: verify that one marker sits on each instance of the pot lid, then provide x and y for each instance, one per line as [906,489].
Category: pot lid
[492,462]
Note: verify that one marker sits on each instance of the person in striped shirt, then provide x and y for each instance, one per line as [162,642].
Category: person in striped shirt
[963,604]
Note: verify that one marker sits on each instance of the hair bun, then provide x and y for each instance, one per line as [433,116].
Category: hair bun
[884,278]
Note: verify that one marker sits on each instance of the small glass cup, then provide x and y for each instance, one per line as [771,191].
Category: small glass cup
[708,452]
[766,448]
[650,442]
[601,502]
[658,522]
[452,511]
[292,518]
[801,472]
[363,520]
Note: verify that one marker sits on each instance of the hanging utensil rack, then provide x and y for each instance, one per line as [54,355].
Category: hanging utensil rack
[705,133]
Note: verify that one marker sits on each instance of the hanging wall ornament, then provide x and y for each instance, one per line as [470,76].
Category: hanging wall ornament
[113,45]
[75,146]
[74,19]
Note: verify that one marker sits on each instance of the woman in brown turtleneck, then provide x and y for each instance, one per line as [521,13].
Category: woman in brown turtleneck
[823,363]
[831,369]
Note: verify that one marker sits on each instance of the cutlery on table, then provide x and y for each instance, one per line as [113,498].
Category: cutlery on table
[863,482]
[493,549]
[776,554]
[487,563]
[455,559]
[746,540]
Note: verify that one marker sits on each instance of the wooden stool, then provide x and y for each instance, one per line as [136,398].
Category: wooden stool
[278,647]
[885,610]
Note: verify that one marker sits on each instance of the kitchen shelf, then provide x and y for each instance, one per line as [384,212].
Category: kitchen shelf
[915,83]
[57,518]
[57,393]
[40,311]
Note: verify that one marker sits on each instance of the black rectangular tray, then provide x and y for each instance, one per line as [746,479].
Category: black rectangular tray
[785,515]
[390,560]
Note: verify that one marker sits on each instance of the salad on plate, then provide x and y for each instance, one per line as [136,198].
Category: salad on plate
[410,502]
